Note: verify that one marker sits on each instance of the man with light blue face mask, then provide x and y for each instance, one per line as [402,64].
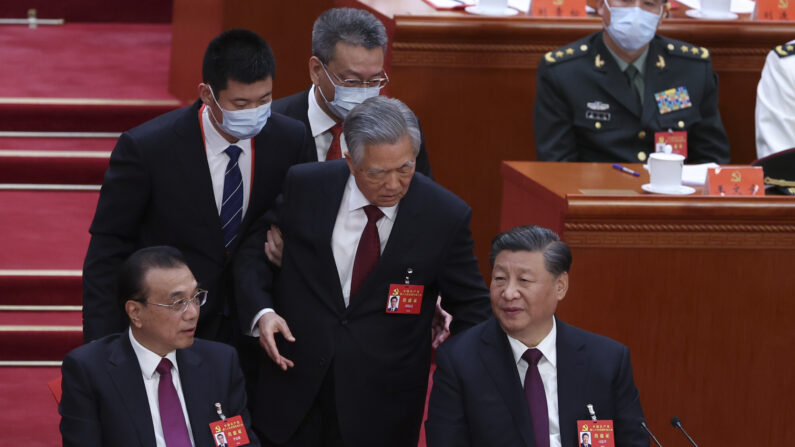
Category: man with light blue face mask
[195,178]
[346,67]
[604,97]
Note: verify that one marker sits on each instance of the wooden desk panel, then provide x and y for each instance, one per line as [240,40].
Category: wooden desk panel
[700,289]
[472,81]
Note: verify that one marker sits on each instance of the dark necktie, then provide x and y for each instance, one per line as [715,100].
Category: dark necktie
[232,202]
[369,249]
[335,150]
[536,399]
[172,419]
[633,75]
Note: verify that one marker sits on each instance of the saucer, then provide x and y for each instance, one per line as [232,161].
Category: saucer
[681,190]
[713,15]
[506,12]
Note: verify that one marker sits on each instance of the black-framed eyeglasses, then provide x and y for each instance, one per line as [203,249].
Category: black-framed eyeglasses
[181,306]
[358,83]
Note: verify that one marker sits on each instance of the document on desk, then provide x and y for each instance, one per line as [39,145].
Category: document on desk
[451,4]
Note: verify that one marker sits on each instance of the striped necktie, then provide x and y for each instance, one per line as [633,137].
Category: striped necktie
[232,204]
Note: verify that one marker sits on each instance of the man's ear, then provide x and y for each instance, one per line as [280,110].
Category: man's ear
[561,285]
[205,94]
[133,309]
[315,70]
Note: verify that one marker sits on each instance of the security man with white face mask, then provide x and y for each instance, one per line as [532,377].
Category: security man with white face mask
[346,67]
[603,97]
[195,179]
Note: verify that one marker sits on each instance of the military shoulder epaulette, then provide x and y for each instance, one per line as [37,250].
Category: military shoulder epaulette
[567,52]
[788,49]
[684,49]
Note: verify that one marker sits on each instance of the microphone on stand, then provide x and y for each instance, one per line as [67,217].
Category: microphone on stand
[677,423]
[645,427]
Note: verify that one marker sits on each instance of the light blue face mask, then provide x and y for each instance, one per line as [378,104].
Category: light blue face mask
[346,98]
[242,124]
[632,28]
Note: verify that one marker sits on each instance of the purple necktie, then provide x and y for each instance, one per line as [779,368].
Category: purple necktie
[171,416]
[536,398]
[368,251]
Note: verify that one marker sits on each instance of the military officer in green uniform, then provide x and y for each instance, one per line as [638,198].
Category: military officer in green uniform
[602,98]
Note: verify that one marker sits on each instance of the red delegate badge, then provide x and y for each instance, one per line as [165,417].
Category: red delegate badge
[596,434]
[677,140]
[404,299]
[229,432]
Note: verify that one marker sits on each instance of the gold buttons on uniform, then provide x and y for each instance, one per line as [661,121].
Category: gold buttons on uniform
[681,124]
[598,125]
[642,156]
[642,134]
[583,47]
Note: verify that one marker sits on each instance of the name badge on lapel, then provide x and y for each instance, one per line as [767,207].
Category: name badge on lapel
[405,298]
[229,432]
[672,100]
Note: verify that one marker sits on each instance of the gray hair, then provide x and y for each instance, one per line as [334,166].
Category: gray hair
[379,120]
[532,238]
[355,27]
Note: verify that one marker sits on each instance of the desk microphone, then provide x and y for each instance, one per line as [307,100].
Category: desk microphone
[677,423]
[643,424]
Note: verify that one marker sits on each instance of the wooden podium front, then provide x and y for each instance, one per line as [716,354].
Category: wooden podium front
[700,288]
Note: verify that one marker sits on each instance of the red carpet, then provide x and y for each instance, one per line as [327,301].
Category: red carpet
[58,144]
[39,335]
[45,230]
[30,415]
[41,290]
[144,11]
[82,60]
[53,169]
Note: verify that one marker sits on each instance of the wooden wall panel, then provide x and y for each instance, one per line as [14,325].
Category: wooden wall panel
[284,24]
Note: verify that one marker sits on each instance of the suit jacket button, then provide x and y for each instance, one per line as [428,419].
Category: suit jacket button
[322,361]
[642,134]
[598,125]
[344,322]
[681,124]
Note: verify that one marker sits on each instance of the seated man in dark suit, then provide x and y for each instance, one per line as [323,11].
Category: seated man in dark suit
[603,97]
[525,377]
[345,370]
[153,384]
[194,179]
[346,67]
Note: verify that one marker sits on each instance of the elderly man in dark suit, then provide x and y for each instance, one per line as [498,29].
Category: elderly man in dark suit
[525,377]
[346,67]
[153,384]
[195,179]
[603,97]
[344,370]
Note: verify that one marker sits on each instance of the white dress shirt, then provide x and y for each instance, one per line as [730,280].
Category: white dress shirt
[548,369]
[320,124]
[775,105]
[148,361]
[348,229]
[215,145]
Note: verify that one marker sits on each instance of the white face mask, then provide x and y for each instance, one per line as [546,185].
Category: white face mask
[346,98]
[242,124]
[632,28]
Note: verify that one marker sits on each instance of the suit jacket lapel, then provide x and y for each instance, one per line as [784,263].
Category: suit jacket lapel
[326,216]
[125,371]
[572,371]
[195,387]
[655,81]
[497,357]
[615,82]
[196,173]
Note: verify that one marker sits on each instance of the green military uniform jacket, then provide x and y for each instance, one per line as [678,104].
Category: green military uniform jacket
[586,110]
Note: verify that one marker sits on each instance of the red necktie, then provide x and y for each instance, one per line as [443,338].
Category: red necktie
[172,419]
[536,398]
[335,150]
[369,249]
